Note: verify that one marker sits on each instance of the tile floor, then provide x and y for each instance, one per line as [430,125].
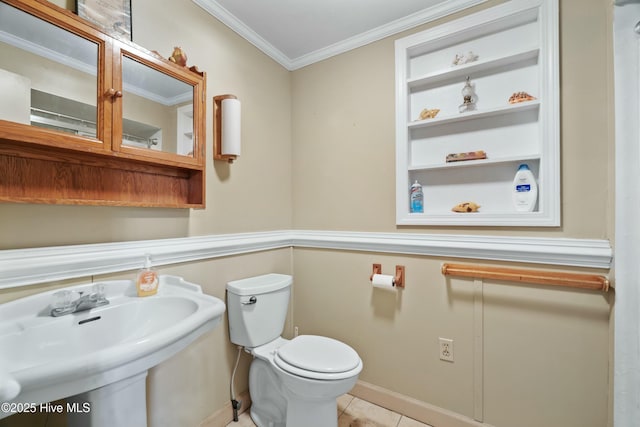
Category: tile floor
[354,412]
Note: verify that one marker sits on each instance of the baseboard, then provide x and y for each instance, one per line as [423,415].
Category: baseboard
[412,408]
[224,415]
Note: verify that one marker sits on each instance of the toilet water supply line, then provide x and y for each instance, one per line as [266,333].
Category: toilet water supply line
[235,404]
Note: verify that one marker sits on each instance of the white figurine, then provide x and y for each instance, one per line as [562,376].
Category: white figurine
[464,59]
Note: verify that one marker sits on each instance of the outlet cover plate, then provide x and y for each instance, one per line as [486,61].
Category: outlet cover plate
[446,349]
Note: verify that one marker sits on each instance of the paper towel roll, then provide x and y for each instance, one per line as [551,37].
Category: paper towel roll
[383,281]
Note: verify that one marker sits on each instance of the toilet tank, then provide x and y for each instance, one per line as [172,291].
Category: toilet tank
[257,308]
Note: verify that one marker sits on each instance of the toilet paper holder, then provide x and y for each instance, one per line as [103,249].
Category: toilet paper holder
[398,279]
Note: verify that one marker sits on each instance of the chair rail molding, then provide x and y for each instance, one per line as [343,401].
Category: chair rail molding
[20,267]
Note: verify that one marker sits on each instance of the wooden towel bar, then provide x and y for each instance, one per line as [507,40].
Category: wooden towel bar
[540,277]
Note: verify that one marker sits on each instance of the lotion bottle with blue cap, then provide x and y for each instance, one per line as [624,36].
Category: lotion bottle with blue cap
[525,190]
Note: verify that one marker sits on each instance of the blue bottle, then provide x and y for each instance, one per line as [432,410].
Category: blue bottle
[416,198]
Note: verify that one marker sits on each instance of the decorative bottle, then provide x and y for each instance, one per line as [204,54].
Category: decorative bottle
[468,98]
[525,189]
[417,198]
[147,280]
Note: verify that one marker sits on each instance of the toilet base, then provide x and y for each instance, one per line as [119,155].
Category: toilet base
[300,413]
[304,413]
[268,405]
[282,399]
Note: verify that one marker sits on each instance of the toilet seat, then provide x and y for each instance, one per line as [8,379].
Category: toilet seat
[317,357]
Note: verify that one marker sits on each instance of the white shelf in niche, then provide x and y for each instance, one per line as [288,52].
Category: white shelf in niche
[479,114]
[475,163]
[465,219]
[460,71]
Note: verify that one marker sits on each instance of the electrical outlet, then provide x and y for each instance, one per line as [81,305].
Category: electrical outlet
[446,349]
[295,331]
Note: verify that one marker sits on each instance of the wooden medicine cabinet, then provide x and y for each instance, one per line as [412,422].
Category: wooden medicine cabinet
[86,118]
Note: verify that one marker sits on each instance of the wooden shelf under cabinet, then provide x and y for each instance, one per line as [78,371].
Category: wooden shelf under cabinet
[39,174]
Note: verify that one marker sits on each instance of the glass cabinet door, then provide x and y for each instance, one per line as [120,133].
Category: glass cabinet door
[157,110]
[49,77]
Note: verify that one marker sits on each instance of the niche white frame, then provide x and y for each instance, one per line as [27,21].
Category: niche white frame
[518,44]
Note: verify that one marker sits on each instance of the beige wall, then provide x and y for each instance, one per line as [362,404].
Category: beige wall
[192,385]
[546,355]
[318,153]
[546,351]
[50,76]
[344,135]
[253,194]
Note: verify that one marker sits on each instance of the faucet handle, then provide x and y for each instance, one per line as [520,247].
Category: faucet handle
[64,300]
[98,291]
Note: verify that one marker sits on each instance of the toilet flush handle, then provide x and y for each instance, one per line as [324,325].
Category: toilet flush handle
[251,300]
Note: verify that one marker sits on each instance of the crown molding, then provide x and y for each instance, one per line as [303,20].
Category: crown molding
[20,267]
[427,15]
[228,19]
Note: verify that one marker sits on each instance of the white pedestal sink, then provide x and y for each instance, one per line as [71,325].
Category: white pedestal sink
[116,404]
[98,358]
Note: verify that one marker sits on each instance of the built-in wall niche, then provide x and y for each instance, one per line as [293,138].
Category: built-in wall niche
[509,49]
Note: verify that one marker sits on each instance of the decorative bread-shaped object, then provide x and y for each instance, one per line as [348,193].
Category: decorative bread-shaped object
[520,97]
[429,114]
[466,207]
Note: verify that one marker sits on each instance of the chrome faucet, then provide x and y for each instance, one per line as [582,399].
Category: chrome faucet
[67,302]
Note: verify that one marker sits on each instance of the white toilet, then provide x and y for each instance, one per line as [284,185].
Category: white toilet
[293,383]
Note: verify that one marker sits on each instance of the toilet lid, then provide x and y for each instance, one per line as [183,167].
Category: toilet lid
[318,354]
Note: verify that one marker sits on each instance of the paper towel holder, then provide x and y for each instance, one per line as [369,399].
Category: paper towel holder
[398,279]
[226,146]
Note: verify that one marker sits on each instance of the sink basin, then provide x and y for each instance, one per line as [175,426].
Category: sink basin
[56,357]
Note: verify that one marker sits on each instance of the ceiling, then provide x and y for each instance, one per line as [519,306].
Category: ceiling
[297,33]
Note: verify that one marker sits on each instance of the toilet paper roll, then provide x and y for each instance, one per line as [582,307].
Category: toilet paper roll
[383,281]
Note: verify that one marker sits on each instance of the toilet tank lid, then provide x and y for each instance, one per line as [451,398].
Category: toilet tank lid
[260,284]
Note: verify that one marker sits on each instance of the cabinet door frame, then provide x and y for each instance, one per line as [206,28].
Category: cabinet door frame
[68,22]
[39,165]
[122,50]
